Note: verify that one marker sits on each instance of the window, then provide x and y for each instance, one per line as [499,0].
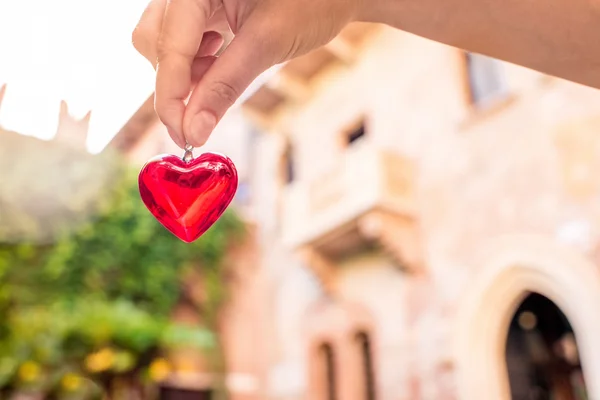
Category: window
[242,195]
[288,171]
[326,357]
[356,134]
[363,344]
[486,79]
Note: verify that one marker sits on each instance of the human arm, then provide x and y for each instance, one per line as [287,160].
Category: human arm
[194,88]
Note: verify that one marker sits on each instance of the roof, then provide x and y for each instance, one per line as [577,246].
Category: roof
[293,83]
[134,129]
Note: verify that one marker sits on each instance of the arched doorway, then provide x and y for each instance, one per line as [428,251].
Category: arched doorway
[542,357]
[508,270]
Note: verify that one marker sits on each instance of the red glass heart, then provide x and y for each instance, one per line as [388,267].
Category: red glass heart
[188,197]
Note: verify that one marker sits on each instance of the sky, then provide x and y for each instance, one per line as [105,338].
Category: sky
[76,50]
[79,51]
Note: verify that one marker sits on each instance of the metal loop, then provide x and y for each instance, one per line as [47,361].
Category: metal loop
[188,155]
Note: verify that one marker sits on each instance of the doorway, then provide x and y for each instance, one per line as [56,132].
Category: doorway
[542,356]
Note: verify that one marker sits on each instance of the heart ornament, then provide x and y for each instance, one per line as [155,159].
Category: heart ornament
[188,195]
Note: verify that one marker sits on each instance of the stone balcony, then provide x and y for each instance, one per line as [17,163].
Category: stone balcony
[367,200]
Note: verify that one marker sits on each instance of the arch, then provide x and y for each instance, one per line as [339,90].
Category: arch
[508,270]
[541,352]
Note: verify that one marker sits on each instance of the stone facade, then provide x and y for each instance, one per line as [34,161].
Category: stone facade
[68,181]
[471,187]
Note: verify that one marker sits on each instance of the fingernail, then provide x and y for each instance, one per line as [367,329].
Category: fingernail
[203,124]
[211,43]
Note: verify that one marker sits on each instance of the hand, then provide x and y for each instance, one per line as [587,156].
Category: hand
[181,37]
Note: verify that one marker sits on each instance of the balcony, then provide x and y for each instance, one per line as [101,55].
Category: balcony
[369,193]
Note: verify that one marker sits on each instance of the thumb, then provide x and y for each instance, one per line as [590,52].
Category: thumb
[248,55]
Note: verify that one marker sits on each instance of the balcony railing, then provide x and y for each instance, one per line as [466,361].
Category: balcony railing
[365,179]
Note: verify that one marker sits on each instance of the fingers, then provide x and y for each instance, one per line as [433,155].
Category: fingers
[145,35]
[199,68]
[182,53]
[178,43]
[246,58]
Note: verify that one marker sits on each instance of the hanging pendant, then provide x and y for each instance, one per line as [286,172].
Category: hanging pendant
[188,195]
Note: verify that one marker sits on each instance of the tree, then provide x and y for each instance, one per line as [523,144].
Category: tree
[95,305]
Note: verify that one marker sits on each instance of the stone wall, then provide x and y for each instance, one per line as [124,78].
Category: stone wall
[523,165]
[48,187]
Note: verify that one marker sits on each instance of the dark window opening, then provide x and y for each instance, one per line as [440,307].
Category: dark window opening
[541,353]
[328,362]
[288,170]
[356,134]
[486,79]
[364,346]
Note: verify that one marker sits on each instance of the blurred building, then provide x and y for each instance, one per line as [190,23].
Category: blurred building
[427,227]
[68,180]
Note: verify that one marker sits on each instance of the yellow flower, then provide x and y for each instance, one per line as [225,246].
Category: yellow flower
[100,361]
[71,382]
[159,369]
[186,366]
[29,371]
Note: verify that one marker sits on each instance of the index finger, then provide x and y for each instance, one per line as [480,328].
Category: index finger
[182,30]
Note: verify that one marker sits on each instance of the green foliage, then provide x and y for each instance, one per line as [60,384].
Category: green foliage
[105,291]
[127,254]
[61,335]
